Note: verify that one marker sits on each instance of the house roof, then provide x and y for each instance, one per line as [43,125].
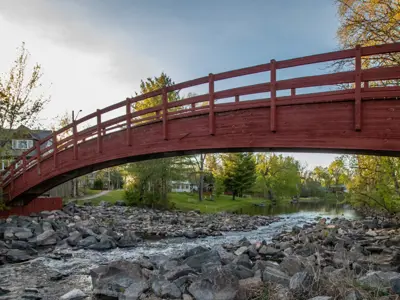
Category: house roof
[36,134]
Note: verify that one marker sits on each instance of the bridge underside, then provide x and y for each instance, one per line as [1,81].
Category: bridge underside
[314,127]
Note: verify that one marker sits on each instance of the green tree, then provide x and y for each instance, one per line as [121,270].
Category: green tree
[21,99]
[238,172]
[278,176]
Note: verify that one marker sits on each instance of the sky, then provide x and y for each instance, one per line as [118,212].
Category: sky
[95,52]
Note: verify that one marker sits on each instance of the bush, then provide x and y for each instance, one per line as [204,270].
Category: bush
[98,184]
[146,199]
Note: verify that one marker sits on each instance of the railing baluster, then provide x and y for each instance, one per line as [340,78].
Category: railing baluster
[128,122]
[99,137]
[366,84]
[75,137]
[193,106]
[293,92]
[12,167]
[237,98]
[55,150]
[273,96]
[165,112]
[24,167]
[38,157]
[211,98]
[357,103]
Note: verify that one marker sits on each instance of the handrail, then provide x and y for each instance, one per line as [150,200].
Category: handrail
[165,110]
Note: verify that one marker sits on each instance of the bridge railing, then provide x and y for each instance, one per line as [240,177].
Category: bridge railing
[70,137]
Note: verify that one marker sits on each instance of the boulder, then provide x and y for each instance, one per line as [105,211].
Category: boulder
[16,256]
[249,287]
[129,239]
[379,279]
[165,289]
[241,250]
[179,271]
[47,238]
[120,203]
[243,260]
[219,283]
[300,282]
[17,233]
[105,243]
[353,295]
[195,261]
[275,276]
[291,265]
[119,279]
[240,271]
[196,250]
[87,242]
[74,238]
[75,294]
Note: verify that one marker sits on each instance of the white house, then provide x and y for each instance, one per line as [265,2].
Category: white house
[181,186]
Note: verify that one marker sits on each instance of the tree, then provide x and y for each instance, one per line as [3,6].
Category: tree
[278,176]
[20,98]
[238,172]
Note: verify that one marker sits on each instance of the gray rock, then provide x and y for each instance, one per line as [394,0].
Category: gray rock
[165,289]
[179,271]
[186,297]
[251,250]
[120,203]
[104,204]
[197,260]
[226,257]
[75,294]
[275,276]
[118,279]
[248,288]
[395,285]
[291,265]
[353,295]
[379,279]
[24,234]
[190,234]
[74,238]
[300,282]
[241,250]
[87,242]
[48,237]
[12,233]
[244,260]
[219,283]
[196,250]
[129,239]
[321,298]
[240,271]
[4,291]
[105,243]
[16,256]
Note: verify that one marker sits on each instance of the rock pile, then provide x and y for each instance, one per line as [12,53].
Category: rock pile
[342,260]
[104,228]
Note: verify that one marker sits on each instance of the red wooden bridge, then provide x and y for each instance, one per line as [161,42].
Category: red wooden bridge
[364,118]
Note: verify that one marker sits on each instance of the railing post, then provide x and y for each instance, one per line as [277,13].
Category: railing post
[75,137]
[12,167]
[55,150]
[211,100]
[293,92]
[366,84]
[128,122]
[38,156]
[24,167]
[357,104]
[193,105]
[237,99]
[165,112]
[99,136]
[273,96]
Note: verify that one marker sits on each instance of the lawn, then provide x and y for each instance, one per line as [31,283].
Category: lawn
[112,197]
[89,192]
[186,201]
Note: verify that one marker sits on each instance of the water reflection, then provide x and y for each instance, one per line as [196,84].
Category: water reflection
[316,206]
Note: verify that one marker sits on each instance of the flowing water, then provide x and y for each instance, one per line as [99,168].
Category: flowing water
[34,273]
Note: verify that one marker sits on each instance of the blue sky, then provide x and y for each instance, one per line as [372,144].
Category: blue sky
[95,52]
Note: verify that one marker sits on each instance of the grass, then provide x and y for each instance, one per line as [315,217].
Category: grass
[111,197]
[89,192]
[187,201]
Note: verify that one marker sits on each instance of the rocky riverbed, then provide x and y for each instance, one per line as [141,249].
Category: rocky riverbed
[339,259]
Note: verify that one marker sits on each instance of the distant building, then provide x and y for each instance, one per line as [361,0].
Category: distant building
[182,186]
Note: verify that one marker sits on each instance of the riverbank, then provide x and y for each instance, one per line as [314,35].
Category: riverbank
[295,257]
[108,227]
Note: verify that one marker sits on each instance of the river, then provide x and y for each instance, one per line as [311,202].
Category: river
[35,273]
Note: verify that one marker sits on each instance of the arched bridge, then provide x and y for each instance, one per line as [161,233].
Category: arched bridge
[364,117]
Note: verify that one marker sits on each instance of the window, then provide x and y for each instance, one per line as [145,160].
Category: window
[22,144]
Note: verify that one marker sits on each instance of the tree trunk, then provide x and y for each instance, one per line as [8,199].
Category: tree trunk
[233,195]
[201,181]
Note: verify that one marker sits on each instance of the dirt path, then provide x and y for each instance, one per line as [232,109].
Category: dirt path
[93,196]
